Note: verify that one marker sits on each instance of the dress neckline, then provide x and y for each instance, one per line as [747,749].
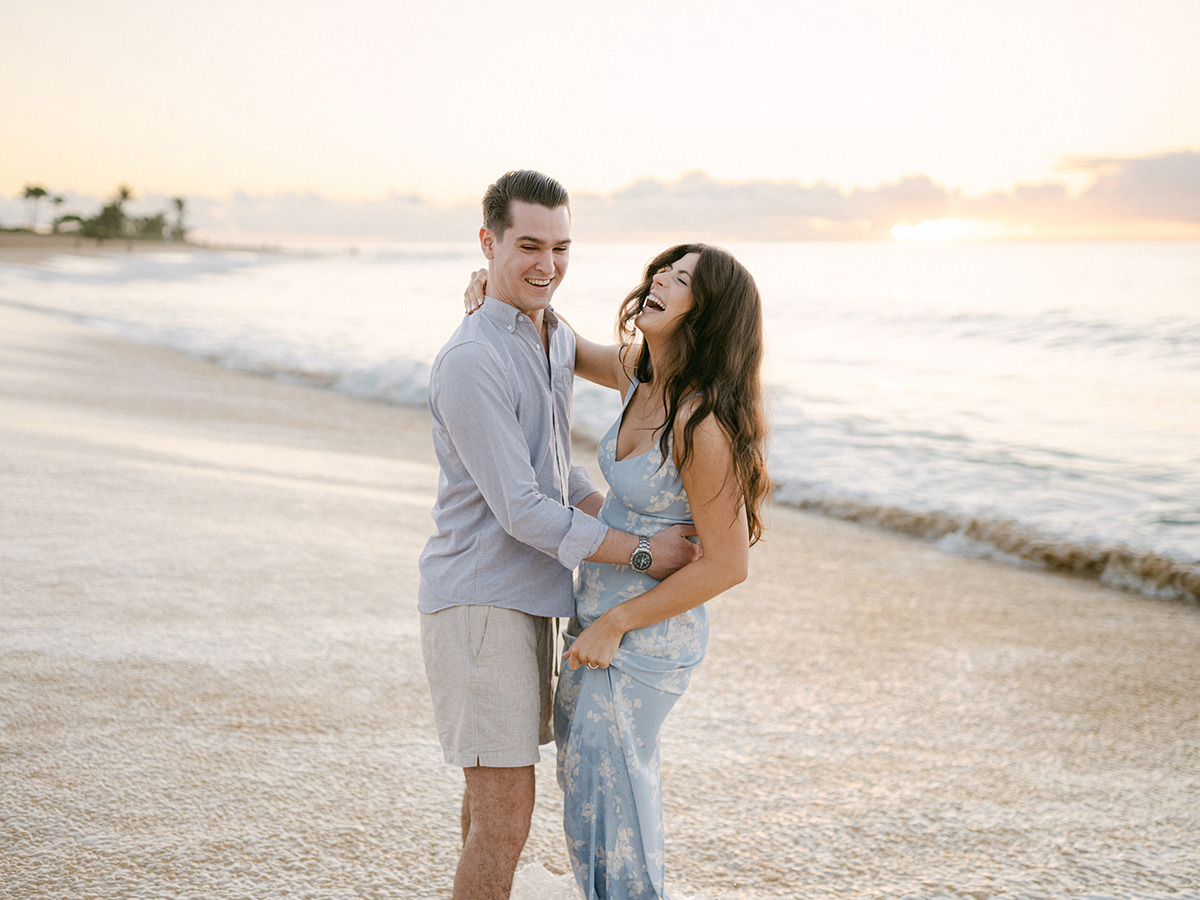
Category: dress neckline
[634,384]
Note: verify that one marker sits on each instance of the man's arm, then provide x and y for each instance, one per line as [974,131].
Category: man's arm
[473,401]
[471,398]
[670,549]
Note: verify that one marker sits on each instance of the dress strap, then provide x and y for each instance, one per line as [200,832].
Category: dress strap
[633,386]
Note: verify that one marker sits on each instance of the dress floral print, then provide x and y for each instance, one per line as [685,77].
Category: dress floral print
[607,721]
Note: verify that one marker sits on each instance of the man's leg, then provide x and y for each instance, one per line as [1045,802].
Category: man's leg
[489,678]
[466,813]
[497,808]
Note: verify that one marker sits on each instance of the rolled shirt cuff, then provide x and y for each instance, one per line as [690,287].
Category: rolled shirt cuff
[582,539]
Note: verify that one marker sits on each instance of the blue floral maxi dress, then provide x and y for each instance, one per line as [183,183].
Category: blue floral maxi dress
[606,721]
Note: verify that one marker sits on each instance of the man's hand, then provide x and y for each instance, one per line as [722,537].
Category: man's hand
[672,551]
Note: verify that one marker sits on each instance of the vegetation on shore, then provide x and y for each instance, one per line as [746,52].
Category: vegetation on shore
[110,223]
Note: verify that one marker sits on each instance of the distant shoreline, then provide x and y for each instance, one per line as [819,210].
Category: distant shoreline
[24,248]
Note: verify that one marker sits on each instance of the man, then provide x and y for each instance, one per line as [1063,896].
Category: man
[499,566]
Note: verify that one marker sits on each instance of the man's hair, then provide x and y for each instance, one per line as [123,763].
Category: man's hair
[525,185]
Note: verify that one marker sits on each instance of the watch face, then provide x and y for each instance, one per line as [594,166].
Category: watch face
[641,560]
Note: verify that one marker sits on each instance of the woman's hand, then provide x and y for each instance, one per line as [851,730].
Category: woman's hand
[596,645]
[473,295]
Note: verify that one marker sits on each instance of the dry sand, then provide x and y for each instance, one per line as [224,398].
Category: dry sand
[23,248]
[211,685]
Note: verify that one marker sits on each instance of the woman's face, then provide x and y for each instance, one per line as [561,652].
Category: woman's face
[670,297]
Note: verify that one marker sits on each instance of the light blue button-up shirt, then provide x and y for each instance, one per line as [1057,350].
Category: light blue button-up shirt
[505,533]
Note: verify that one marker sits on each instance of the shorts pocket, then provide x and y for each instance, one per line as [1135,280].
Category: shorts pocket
[478,618]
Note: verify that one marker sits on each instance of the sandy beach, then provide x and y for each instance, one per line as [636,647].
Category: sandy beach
[211,683]
[24,248]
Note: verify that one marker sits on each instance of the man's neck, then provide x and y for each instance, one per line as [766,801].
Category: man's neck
[538,318]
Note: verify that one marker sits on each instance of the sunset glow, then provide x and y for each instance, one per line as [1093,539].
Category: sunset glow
[950,230]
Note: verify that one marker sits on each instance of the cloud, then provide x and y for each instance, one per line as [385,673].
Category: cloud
[1149,196]
[1153,196]
[401,217]
[1133,197]
[701,207]
[696,206]
[1153,188]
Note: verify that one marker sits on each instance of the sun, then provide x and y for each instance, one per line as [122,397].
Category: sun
[936,230]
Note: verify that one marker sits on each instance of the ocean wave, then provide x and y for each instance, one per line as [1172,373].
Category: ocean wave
[124,268]
[401,382]
[1143,572]
[1172,338]
[947,384]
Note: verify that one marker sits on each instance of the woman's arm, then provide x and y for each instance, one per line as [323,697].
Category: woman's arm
[716,500]
[598,363]
[591,504]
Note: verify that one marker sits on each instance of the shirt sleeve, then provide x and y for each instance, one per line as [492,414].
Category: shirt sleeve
[472,398]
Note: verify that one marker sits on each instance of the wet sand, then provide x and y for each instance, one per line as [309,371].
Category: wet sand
[211,683]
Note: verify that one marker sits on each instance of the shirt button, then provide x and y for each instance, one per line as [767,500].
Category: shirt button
[510,328]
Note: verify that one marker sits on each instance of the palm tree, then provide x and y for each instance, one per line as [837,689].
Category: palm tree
[178,233]
[114,222]
[57,201]
[124,192]
[111,222]
[34,192]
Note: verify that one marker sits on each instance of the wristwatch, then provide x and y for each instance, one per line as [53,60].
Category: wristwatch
[641,559]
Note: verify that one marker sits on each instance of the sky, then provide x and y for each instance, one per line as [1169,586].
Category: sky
[397,115]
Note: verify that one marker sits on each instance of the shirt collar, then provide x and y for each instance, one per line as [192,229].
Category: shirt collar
[506,314]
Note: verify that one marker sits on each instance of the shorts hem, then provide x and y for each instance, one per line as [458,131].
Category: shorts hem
[509,760]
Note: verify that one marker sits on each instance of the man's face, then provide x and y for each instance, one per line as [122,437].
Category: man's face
[527,263]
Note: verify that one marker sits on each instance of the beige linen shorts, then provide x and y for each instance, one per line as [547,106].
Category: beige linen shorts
[489,672]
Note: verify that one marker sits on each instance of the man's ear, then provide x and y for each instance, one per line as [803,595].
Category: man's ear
[487,242]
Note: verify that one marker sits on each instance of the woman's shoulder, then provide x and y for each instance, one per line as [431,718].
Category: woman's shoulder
[627,378]
[707,436]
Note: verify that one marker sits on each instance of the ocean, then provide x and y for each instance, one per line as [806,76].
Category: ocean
[1037,403]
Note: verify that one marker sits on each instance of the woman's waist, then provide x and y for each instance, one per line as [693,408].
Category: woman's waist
[646,515]
[639,523]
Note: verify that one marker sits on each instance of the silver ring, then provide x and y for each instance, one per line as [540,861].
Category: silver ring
[590,666]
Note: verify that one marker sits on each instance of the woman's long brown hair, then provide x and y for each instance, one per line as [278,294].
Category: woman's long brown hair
[717,353]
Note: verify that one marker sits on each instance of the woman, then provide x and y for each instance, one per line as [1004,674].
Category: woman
[688,447]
